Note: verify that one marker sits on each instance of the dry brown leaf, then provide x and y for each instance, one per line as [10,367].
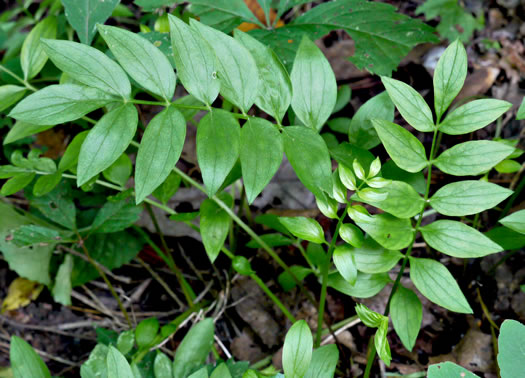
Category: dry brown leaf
[259,13]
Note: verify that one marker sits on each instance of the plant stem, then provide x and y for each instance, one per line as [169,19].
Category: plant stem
[272,296]
[106,280]
[324,287]
[372,352]
[18,78]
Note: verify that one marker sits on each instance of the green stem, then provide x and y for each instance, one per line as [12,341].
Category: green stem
[272,296]
[18,78]
[324,287]
[372,352]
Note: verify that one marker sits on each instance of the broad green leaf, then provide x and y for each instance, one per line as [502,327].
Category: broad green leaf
[111,250]
[62,288]
[272,240]
[327,206]
[159,151]
[508,166]
[361,131]
[472,158]
[372,258]
[32,56]
[404,148]
[406,312]
[221,371]
[521,111]
[116,215]
[366,285]
[436,283]
[506,238]
[56,205]
[449,369]
[151,5]
[144,62]
[511,346]
[215,224]
[468,197]
[297,350]
[195,61]
[345,263]
[25,362]
[401,200]
[381,342]
[344,93]
[70,157]
[473,116]
[352,235]
[314,86]
[309,157]
[117,365]
[9,95]
[162,366]
[88,66]
[237,69]
[146,332]
[391,171]
[515,221]
[31,263]
[288,282]
[106,141]
[410,104]
[324,361]
[59,104]
[201,373]
[261,153]
[368,317]
[275,87]
[236,8]
[126,342]
[16,183]
[84,15]
[304,228]
[449,76]
[347,153]
[120,171]
[218,140]
[22,129]
[96,363]
[168,188]
[45,184]
[194,348]
[32,234]
[389,231]
[457,239]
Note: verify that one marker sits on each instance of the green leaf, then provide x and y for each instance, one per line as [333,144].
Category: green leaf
[473,116]
[194,348]
[436,283]
[146,332]
[297,350]
[507,166]
[324,361]
[120,171]
[111,250]
[448,369]
[275,87]
[506,238]
[25,362]
[366,285]
[16,183]
[117,365]
[381,342]
[327,206]
[218,140]
[215,224]
[237,69]
[70,158]
[361,131]
[62,288]
[32,56]
[314,86]
[372,258]
[472,158]
[391,171]
[410,104]
[221,371]
[406,312]
[449,76]
[201,373]
[195,61]
[45,184]
[236,8]
[22,129]
[84,15]
[88,66]
[309,157]
[159,151]
[126,342]
[402,200]
[144,62]
[515,221]
[344,93]
[345,263]
[347,153]
[457,239]
[96,363]
[352,235]
[389,231]
[521,111]
[162,366]
[261,153]
[59,104]
[404,148]
[272,240]
[168,188]
[9,95]
[27,235]
[286,280]
[511,345]
[468,197]
[304,228]
[57,206]
[116,215]
[106,141]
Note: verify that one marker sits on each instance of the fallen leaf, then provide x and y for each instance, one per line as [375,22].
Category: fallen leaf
[20,293]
